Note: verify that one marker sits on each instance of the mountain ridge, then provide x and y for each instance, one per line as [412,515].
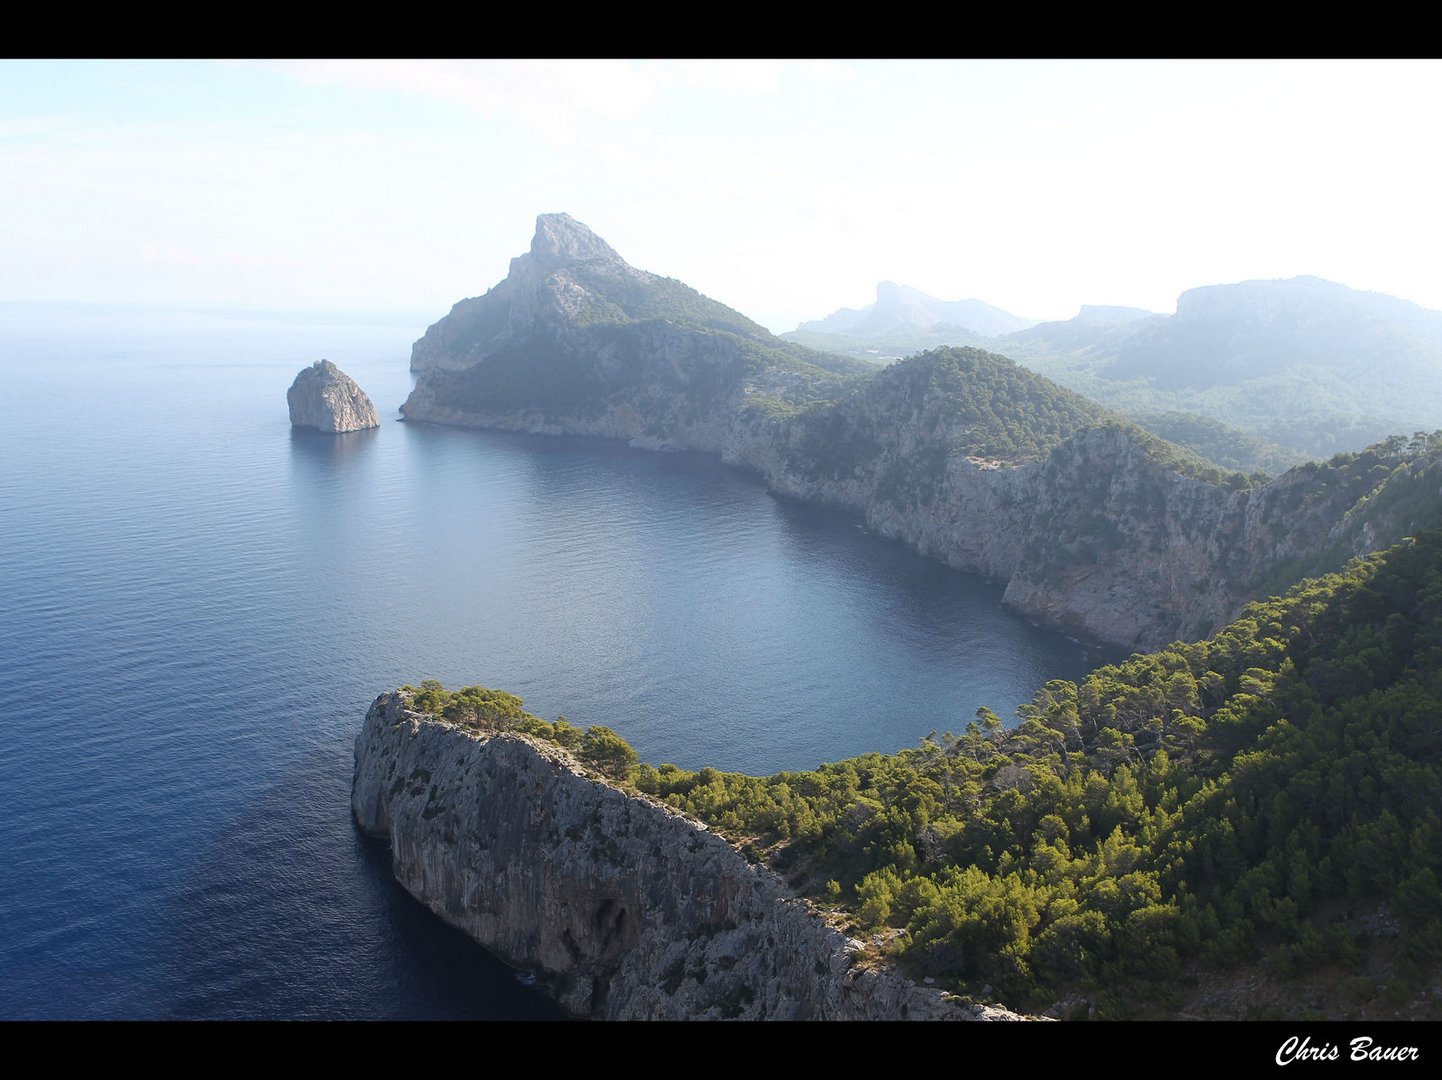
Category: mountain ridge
[1306,363]
[903,308]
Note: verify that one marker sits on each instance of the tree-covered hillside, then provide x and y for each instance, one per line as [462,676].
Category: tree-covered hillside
[1222,444]
[907,421]
[1270,796]
[1266,802]
[619,299]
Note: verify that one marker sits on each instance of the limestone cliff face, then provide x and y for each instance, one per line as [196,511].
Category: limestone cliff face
[1119,545]
[327,399]
[556,277]
[1104,541]
[625,908]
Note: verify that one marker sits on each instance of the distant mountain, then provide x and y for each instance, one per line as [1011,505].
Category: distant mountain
[1108,314]
[1230,334]
[1308,364]
[1094,327]
[904,322]
[902,309]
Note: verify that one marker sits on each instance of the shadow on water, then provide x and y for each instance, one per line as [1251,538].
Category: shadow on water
[293,914]
[924,602]
[322,446]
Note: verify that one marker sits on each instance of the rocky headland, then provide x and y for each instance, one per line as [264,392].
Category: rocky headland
[1096,526]
[622,906]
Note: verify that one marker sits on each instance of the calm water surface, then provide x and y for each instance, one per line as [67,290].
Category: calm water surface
[199,604]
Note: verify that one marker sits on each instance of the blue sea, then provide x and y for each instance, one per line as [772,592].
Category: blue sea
[197,605]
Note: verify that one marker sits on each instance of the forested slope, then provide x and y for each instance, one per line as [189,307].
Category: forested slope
[1265,803]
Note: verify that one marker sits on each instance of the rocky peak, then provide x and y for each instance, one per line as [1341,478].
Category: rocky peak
[889,292]
[561,240]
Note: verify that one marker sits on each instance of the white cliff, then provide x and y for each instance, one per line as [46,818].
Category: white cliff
[623,907]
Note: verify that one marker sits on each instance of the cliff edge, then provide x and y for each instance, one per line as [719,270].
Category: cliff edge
[625,908]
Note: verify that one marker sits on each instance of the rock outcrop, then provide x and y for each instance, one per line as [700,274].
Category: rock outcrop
[1105,541]
[623,907]
[327,399]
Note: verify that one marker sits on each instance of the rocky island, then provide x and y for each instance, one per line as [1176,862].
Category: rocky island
[325,398]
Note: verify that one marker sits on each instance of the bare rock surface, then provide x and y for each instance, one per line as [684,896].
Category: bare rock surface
[623,907]
[325,398]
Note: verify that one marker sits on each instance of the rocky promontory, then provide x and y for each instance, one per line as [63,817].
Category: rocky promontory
[623,907]
[1095,526]
[325,398]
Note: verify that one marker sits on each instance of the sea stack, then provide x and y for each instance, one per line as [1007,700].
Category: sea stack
[325,398]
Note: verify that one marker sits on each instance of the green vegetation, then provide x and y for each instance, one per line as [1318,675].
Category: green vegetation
[908,421]
[884,348]
[1181,460]
[1217,442]
[487,710]
[985,404]
[1270,797]
[1389,488]
[904,424]
[648,298]
[621,346]
[1260,794]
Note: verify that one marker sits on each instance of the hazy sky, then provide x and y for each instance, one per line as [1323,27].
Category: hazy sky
[784,189]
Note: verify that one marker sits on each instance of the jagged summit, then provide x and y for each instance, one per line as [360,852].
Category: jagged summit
[561,240]
[571,293]
[563,277]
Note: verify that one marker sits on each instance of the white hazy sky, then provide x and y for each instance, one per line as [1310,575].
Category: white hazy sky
[785,189]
